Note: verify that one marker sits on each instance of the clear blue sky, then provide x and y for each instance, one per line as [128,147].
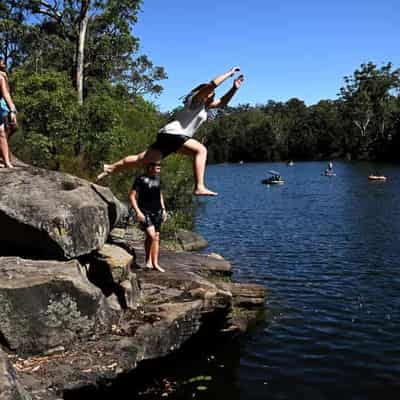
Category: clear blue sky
[286,48]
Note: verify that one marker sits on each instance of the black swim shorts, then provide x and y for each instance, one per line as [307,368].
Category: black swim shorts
[152,219]
[167,143]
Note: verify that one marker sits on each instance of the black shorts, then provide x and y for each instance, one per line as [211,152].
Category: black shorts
[6,120]
[167,143]
[152,219]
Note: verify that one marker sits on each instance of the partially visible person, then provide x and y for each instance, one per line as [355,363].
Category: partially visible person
[8,117]
[177,135]
[147,200]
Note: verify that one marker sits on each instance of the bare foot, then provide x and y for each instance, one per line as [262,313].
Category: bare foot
[149,266]
[158,268]
[101,176]
[107,170]
[203,191]
[9,165]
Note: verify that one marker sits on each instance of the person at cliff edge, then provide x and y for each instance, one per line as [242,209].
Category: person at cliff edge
[147,200]
[8,117]
[177,135]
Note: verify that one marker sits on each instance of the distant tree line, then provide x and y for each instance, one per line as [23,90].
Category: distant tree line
[362,123]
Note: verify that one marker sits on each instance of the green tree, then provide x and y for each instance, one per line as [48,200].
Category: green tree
[12,30]
[44,34]
[324,119]
[70,20]
[50,120]
[365,97]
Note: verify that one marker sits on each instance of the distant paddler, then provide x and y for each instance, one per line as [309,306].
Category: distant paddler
[329,170]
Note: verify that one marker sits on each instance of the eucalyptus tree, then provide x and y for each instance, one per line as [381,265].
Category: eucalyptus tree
[94,39]
[366,98]
[12,31]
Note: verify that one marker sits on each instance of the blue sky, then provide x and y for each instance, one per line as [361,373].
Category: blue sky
[286,48]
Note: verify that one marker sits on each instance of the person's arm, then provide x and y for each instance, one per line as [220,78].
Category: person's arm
[7,97]
[164,211]
[4,75]
[209,88]
[225,99]
[133,202]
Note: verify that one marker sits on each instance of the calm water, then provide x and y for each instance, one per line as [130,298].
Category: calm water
[328,251]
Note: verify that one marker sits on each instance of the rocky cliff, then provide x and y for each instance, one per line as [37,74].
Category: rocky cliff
[76,308]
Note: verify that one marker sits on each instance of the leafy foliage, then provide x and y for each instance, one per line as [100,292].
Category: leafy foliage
[43,35]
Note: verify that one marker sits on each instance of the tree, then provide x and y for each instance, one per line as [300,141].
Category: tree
[91,38]
[324,119]
[12,30]
[280,124]
[366,97]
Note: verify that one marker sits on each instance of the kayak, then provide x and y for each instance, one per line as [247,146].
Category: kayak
[377,178]
[329,174]
[269,181]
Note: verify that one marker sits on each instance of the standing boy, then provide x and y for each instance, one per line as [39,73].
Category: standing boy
[147,200]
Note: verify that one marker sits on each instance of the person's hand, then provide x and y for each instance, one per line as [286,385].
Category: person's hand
[238,81]
[234,69]
[164,215]
[140,217]
[13,119]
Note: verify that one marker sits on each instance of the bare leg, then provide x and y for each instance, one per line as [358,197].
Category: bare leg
[155,251]
[4,150]
[153,247]
[135,161]
[147,246]
[196,150]
[10,131]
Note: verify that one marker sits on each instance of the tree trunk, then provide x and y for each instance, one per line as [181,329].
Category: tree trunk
[80,57]
[362,126]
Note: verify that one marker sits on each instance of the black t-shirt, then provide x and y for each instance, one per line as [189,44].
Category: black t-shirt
[148,189]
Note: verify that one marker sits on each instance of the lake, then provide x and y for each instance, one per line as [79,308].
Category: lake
[328,251]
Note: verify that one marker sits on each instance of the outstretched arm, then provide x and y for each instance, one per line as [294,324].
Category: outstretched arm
[224,100]
[209,88]
[221,78]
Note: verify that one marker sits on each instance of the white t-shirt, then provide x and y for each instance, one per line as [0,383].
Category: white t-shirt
[186,121]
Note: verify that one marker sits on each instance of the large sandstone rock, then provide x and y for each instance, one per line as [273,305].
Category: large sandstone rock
[190,299]
[48,214]
[110,270]
[191,240]
[48,304]
[117,259]
[246,295]
[128,238]
[10,388]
